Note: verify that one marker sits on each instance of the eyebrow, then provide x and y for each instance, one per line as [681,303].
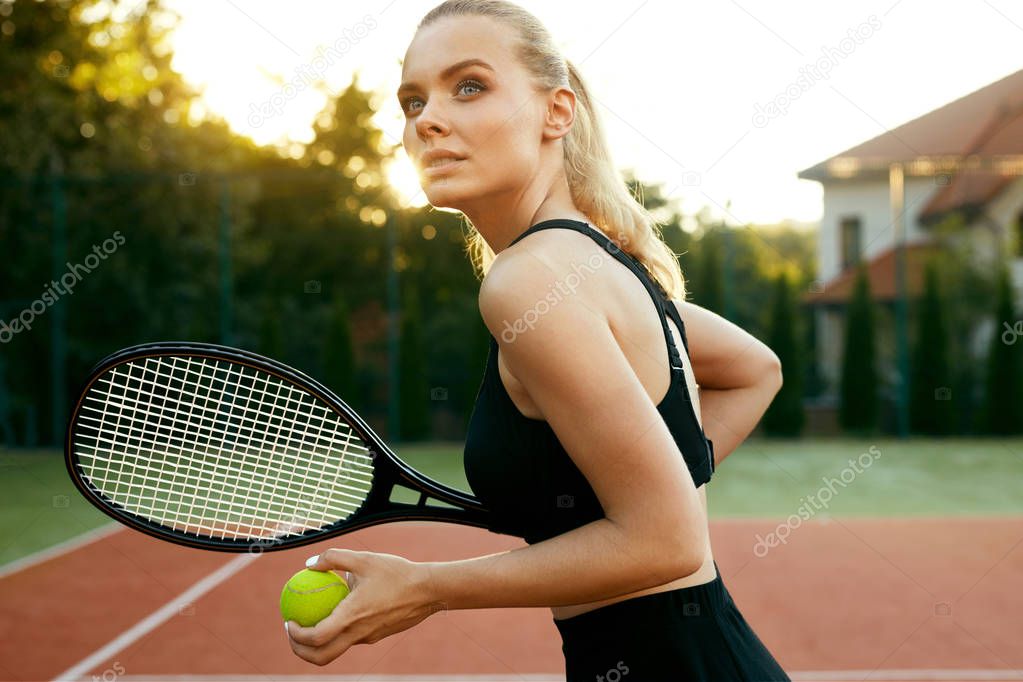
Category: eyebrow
[446,73]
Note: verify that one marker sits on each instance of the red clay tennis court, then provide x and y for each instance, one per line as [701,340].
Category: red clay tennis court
[841,599]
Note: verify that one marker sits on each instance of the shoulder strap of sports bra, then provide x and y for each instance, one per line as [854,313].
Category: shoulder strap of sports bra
[673,311]
[653,287]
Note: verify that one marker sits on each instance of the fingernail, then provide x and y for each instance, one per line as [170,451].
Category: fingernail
[311,561]
[286,628]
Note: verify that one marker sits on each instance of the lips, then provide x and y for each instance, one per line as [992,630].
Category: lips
[440,162]
[439,157]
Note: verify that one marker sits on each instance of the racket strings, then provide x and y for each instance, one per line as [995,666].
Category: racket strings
[205,462]
[175,430]
[204,469]
[216,448]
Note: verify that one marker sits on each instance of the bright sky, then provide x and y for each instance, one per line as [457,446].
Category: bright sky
[679,83]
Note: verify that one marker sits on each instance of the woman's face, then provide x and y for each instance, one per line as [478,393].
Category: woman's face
[488,114]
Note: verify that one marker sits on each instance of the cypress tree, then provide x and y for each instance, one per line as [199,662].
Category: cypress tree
[339,357]
[930,398]
[271,339]
[1004,395]
[6,428]
[414,399]
[858,395]
[707,291]
[785,417]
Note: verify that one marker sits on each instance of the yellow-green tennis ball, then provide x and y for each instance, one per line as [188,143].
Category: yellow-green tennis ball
[310,596]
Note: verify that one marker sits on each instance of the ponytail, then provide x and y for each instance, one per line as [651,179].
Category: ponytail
[596,186]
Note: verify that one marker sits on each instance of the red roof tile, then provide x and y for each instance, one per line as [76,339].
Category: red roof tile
[971,190]
[986,120]
[881,272]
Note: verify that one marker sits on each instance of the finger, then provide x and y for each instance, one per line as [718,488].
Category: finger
[346,559]
[326,630]
[321,655]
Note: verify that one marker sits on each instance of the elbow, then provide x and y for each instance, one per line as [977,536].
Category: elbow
[689,563]
[681,564]
[668,555]
[689,551]
[772,372]
[693,555]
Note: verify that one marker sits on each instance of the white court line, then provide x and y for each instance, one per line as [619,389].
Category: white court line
[918,675]
[157,618]
[57,550]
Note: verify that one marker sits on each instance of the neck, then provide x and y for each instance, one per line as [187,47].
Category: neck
[500,221]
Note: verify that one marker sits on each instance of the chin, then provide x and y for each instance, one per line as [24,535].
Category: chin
[442,194]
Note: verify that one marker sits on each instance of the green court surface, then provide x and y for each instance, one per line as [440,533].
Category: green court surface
[40,506]
[887,477]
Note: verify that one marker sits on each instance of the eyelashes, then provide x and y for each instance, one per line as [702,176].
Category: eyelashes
[407,102]
[472,81]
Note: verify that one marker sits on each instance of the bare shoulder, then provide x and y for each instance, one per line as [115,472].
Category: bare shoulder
[546,270]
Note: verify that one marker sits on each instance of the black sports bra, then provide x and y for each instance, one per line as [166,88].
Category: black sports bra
[516,465]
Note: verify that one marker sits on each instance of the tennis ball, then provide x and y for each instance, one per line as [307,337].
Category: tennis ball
[309,596]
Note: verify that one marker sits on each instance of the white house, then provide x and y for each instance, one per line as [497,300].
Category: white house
[857,223]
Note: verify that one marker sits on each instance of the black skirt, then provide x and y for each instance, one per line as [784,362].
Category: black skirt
[693,633]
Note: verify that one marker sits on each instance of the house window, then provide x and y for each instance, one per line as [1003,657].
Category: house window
[850,235]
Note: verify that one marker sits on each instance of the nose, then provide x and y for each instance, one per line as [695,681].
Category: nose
[430,121]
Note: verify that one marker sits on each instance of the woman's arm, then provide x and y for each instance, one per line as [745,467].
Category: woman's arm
[563,352]
[738,376]
[594,562]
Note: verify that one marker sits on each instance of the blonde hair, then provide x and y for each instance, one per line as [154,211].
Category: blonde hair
[596,186]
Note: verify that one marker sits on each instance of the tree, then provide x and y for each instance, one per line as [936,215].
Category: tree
[271,336]
[969,284]
[339,359]
[1004,404]
[414,398]
[707,291]
[785,414]
[858,394]
[930,398]
[89,107]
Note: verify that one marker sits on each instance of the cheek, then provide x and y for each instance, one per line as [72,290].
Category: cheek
[508,140]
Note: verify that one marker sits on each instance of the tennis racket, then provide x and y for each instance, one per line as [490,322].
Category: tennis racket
[222,449]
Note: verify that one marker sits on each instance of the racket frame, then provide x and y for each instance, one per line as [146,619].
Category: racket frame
[389,471]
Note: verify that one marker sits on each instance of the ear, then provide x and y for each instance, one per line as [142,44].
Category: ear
[560,114]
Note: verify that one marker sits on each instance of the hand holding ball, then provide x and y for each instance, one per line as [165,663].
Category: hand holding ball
[310,596]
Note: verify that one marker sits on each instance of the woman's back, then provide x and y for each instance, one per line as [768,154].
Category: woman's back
[514,460]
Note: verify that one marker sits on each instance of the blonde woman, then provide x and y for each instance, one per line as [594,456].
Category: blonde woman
[586,437]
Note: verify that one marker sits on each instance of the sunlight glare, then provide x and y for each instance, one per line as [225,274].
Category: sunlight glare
[402,177]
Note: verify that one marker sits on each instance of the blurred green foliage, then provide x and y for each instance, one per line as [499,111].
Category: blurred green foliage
[99,132]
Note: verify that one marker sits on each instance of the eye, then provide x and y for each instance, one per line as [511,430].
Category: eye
[406,104]
[473,83]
